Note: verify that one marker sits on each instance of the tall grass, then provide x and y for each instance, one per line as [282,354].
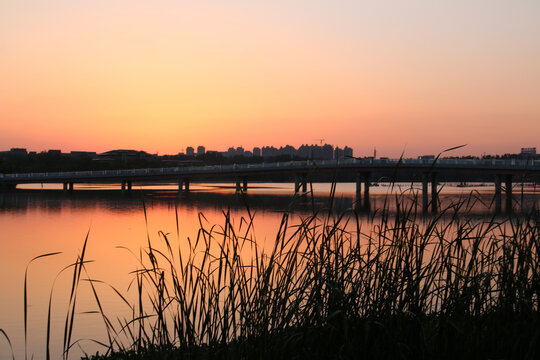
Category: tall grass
[447,286]
[393,284]
[8,341]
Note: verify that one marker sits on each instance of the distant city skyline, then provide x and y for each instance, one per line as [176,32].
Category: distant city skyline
[385,151]
[264,151]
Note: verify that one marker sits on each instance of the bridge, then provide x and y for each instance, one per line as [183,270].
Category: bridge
[424,170]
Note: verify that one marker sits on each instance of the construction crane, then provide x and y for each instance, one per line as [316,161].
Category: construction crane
[320,140]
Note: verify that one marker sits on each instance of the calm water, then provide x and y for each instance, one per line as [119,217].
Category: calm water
[34,222]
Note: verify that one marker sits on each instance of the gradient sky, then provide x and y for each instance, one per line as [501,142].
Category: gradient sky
[416,76]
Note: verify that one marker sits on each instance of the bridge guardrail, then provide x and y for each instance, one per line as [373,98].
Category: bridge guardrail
[290,165]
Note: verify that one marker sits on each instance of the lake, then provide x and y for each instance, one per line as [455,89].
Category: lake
[36,221]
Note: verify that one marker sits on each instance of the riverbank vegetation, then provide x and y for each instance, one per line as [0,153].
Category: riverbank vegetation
[394,285]
[405,286]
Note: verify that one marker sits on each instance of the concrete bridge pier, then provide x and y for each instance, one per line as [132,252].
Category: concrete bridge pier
[65,186]
[358,189]
[241,185]
[367,203]
[508,190]
[300,181]
[123,186]
[362,177]
[238,186]
[426,178]
[8,187]
[70,186]
[183,185]
[425,203]
[498,202]
[434,194]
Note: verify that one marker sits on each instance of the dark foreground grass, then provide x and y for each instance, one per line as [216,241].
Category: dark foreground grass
[404,287]
[408,287]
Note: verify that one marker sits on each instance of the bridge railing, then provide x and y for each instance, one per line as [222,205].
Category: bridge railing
[290,165]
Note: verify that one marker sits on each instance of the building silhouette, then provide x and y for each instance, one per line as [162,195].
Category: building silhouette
[530,151]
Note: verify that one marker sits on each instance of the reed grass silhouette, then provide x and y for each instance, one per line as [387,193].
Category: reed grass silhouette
[406,286]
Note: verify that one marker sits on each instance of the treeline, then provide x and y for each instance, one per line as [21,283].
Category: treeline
[54,162]
[46,162]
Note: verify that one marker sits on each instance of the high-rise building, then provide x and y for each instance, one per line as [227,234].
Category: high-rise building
[268,151]
[256,151]
[528,151]
[200,150]
[18,151]
[339,153]
[325,152]
[82,154]
[230,152]
[190,151]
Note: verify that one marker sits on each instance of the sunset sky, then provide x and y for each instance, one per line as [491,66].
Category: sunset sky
[413,76]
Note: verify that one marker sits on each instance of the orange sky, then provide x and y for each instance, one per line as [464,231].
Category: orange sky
[414,76]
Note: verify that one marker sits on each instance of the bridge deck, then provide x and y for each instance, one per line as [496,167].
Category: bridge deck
[494,166]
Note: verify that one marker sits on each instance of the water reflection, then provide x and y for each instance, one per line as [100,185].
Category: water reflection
[475,200]
[110,200]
